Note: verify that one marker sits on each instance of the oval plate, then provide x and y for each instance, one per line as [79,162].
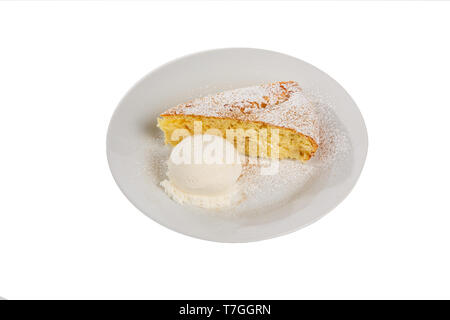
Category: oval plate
[133,157]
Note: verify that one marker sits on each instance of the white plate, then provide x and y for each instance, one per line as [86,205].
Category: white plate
[133,161]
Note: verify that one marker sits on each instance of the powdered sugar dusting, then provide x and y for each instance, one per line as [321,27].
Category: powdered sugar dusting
[261,191]
[207,202]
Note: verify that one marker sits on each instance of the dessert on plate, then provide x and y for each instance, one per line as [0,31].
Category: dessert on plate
[212,134]
[279,106]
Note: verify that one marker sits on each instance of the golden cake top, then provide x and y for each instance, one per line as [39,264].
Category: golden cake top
[280,104]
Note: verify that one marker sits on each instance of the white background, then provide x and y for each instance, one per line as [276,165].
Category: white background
[66,230]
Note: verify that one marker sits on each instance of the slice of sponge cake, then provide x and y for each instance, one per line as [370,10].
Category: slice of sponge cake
[256,114]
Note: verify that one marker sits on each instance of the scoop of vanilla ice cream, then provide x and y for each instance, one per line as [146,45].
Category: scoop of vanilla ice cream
[205,165]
